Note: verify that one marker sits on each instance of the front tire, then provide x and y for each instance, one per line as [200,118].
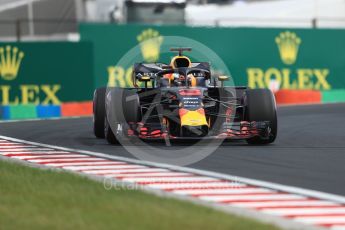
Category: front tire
[122,107]
[99,112]
[109,134]
[261,106]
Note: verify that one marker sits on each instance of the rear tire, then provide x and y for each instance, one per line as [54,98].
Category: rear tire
[261,106]
[99,112]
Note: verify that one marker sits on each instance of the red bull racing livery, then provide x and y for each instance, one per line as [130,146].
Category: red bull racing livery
[183,100]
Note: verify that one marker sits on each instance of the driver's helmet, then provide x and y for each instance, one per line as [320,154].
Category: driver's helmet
[178,79]
[180,61]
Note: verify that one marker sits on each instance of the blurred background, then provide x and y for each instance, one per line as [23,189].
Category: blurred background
[53,54]
[58,20]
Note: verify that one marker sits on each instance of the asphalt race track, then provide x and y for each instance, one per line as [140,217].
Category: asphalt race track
[309,151]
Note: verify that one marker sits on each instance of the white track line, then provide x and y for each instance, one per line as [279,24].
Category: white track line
[25,149]
[136,170]
[322,220]
[62,156]
[302,211]
[338,227]
[109,171]
[273,204]
[198,185]
[104,162]
[66,160]
[19,146]
[168,179]
[43,119]
[97,167]
[14,146]
[199,192]
[102,169]
[273,196]
[32,152]
[155,174]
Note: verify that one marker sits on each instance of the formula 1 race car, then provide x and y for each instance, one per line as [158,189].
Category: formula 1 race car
[183,100]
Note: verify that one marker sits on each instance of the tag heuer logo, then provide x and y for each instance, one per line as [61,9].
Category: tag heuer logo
[288,45]
[10,59]
[150,43]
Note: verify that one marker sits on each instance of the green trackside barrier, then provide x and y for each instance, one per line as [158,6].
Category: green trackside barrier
[45,73]
[22,112]
[333,96]
[301,59]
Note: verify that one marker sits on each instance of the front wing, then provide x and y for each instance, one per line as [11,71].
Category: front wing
[236,131]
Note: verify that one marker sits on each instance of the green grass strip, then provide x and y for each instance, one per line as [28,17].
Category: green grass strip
[333,96]
[33,198]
